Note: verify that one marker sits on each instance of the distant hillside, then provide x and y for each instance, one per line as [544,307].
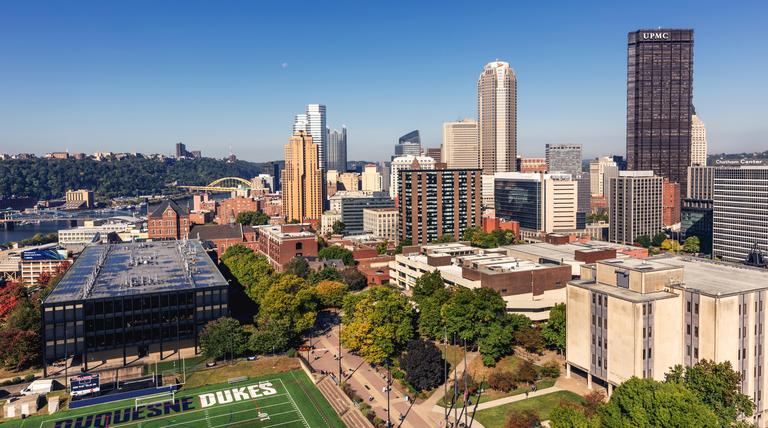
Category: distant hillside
[133,176]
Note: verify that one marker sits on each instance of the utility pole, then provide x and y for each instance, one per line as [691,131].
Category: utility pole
[466,390]
[389,380]
[445,375]
[455,387]
[340,379]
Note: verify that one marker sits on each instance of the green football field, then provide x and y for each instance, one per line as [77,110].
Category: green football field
[279,400]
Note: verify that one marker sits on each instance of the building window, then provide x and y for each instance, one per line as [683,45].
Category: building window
[298,246]
[688,329]
[688,306]
[688,350]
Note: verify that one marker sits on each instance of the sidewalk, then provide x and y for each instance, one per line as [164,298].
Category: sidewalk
[518,397]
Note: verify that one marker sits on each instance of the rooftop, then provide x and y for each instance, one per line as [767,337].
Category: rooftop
[126,269]
[304,230]
[565,252]
[718,278]
[208,232]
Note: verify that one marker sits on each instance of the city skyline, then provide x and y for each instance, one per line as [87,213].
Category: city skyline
[159,86]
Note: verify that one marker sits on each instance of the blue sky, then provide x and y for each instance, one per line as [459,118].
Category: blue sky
[141,76]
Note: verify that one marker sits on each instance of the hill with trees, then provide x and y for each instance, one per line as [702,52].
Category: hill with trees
[131,176]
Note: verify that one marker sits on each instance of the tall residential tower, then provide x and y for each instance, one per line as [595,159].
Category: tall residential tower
[497,117]
[336,156]
[302,179]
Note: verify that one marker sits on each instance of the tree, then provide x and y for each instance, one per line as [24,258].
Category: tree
[335,252]
[592,403]
[553,331]
[525,372]
[401,244]
[671,245]
[377,323]
[644,241]
[658,239]
[269,338]
[338,227]
[427,285]
[444,238]
[502,380]
[430,322]
[526,418]
[354,279]
[648,403]
[290,301]
[382,247]
[297,266]
[328,273]
[570,417]
[692,244]
[530,338]
[423,364]
[717,385]
[253,272]
[495,342]
[252,218]
[331,294]
[221,337]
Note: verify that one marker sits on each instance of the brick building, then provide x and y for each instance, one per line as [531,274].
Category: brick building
[168,221]
[229,209]
[281,243]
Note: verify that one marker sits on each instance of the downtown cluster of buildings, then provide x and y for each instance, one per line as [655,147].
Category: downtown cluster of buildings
[629,312]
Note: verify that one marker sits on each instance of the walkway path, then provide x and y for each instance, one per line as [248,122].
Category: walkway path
[518,397]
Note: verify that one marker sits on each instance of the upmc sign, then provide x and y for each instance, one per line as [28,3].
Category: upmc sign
[655,36]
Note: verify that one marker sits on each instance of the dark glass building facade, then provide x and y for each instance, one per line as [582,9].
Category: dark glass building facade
[519,200]
[659,102]
[696,220]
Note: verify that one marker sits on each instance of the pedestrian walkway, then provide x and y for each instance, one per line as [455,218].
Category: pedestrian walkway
[518,397]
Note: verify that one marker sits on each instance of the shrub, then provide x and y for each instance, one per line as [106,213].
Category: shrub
[527,418]
[489,361]
[550,369]
[292,353]
[502,380]
[29,378]
[525,372]
[16,380]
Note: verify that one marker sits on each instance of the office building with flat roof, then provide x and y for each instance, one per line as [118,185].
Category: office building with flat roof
[460,147]
[563,158]
[659,102]
[739,212]
[542,203]
[638,318]
[119,302]
[635,207]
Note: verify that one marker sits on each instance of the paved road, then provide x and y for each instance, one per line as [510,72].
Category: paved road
[365,380]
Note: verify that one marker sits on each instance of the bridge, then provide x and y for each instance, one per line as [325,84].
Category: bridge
[226,184]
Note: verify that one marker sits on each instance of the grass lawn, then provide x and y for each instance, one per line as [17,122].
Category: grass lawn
[543,405]
[492,394]
[222,372]
[280,399]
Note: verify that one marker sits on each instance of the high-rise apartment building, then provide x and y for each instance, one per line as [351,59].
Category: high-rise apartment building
[406,162]
[460,147]
[371,179]
[698,141]
[438,202]
[542,203]
[313,123]
[302,179]
[740,212]
[659,102]
[599,169]
[337,150]
[497,117]
[563,158]
[635,206]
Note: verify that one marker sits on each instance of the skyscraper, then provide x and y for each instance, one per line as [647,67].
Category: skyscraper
[302,179]
[635,206]
[563,158]
[408,144]
[313,123]
[497,117]
[337,150]
[659,102]
[460,148]
[740,197]
[698,141]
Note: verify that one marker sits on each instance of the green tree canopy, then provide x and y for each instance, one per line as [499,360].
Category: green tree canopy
[222,337]
[692,244]
[335,252]
[658,239]
[427,285]
[717,385]
[289,301]
[648,403]
[338,227]
[401,244]
[252,218]
[644,240]
[378,323]
[553,330]
[331,294]
[298,266]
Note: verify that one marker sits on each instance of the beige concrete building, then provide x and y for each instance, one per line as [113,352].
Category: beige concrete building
[79,199]
[381,223]
[497,117]
[641,317]
[529,288]
[404,163]
[371,179]
[635,207]
[600,171]
[701,182]
[698,141]
[460,147]
[302,180]
[327,220]
[350,181]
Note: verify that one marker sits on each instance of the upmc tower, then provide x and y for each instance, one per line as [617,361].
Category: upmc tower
[659,102]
